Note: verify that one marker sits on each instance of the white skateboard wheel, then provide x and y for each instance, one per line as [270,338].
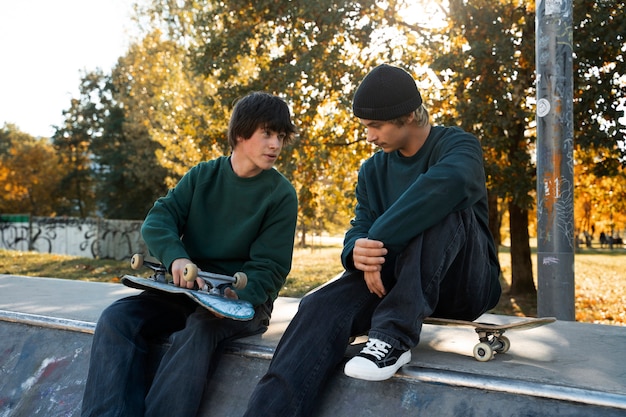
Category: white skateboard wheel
[241,280]
[190,273]
[483,352]
[136,261]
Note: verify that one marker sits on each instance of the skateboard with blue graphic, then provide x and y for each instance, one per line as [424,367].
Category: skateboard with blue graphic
[210,296]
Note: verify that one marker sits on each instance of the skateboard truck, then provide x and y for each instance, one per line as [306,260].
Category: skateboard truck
[490,342]
[213,283]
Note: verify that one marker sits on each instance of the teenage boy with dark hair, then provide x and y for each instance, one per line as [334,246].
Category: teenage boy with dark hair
[419,246]
[233,213]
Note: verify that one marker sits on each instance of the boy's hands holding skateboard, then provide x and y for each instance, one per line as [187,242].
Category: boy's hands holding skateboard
[178,267]
[214,292]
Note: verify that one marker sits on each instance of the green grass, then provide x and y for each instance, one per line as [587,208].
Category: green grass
[312,267]
[36,264]
[600,277]
[600,287]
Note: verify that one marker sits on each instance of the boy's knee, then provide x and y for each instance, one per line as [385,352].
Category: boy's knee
[115,316]
[307,302]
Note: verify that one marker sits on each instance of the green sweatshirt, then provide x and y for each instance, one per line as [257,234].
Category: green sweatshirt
[398,197]
[225,224]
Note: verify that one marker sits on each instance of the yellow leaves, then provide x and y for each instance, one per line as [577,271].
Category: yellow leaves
[29,174]
[600,283]
[168,100]
[600,287]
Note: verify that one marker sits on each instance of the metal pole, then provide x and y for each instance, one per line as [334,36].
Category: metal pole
[555,164]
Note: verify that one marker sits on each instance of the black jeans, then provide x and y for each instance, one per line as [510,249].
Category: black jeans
[444,272]
[121,381]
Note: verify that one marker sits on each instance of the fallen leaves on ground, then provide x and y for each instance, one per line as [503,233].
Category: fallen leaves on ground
[599,282]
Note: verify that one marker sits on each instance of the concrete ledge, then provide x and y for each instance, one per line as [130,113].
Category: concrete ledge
[563,369]
[48,322]
[46,364]
[515,387]
[42,370]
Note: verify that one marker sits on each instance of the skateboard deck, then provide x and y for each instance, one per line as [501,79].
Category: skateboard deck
[232,309]
[491,336]
[210,296]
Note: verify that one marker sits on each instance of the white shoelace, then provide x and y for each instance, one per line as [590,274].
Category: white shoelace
[376,348]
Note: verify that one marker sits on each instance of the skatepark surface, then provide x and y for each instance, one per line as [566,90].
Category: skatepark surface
[561,369]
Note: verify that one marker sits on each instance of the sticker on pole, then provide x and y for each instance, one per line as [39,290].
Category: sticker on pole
[553,7]
[543,107]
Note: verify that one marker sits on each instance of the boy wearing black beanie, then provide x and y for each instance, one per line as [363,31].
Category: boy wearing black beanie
[418,246]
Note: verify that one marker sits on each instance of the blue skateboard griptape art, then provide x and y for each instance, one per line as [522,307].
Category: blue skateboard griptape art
[232,309]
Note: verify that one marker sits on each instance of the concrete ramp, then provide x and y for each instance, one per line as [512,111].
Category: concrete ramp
[42,366]
[415,391]
[563,369]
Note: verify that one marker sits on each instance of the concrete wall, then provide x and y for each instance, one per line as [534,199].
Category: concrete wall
[90,237]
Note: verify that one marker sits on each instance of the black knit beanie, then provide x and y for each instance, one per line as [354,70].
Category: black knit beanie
[386,93]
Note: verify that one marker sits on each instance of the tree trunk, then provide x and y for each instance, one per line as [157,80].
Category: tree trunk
[521,265]
[494,218]
[303,231]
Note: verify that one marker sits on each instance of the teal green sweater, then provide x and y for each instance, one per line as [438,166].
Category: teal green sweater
[225,224]
[398,198]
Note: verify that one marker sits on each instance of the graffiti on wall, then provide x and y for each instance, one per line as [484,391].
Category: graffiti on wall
[90,237]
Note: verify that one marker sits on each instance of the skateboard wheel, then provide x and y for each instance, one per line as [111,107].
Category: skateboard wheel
[136,261]
[506,344]
[241,280]
[190,273]
[483,352]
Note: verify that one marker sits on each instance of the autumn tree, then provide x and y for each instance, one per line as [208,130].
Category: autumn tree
[486,61]
[310,53]
[112,123]
[599,204]
[125,154]
[165,101]
[30,173]
[72,141]
[599,105]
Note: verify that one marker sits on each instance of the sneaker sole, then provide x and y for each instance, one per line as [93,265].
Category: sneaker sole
[373,373]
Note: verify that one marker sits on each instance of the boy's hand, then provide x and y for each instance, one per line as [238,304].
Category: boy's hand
[230,293]
[178,267]
[369,256]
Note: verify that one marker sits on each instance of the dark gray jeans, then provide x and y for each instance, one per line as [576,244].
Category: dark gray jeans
[125,377]
[444,272]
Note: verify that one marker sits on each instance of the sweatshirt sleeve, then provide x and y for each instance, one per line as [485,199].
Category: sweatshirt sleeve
[360,224]
[451,178]
[454,181]
[272,251]
[166,220]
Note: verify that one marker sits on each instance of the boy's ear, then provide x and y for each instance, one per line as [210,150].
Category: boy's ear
[410,118]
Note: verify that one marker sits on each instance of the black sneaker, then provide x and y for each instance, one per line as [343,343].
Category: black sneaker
[377,361]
